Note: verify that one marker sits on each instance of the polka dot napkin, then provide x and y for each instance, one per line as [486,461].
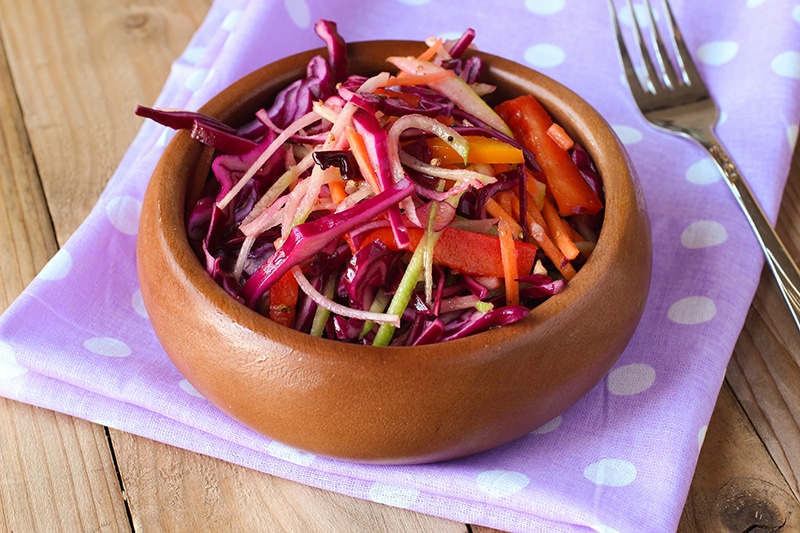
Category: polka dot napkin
[622,459]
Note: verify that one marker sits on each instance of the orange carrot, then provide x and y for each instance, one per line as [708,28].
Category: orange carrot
[429,54]
[533,211]
[559,231]
[359,150]
[506,200]
[336,186]
[552,251]
[508,252]
[561,137]
[496,210]
[418,79]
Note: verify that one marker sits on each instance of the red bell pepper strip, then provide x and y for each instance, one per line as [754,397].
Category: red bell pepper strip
[468,252]
[283,300]
[529,121]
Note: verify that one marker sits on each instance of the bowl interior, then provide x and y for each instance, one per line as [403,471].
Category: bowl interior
[394,404]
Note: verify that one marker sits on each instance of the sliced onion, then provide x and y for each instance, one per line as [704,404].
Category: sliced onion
[339,309]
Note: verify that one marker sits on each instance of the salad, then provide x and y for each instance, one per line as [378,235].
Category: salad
[393,209]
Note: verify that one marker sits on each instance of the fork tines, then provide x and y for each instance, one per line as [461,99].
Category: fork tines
[660,75]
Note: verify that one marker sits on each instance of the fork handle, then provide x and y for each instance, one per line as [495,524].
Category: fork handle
[780,262]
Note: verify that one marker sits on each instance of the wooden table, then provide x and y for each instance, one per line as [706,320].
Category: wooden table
[71,73]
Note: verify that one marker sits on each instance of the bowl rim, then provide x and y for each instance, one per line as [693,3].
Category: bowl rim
[569,109]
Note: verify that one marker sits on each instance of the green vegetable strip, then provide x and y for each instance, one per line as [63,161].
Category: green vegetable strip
[403,294]
[321,314]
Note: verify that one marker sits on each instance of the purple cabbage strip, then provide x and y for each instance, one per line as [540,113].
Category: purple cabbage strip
[306,239]
[475,321]
[376,141]
[337,49]
[463,42]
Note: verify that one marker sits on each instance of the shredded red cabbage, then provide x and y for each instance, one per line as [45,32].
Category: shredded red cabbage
[264,233]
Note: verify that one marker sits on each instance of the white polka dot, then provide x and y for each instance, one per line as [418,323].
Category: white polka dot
[195,79]
[298,12]
[232,19]
[602,528]
[631,379]
[703,234]
[544,7]
[628,134]
[107,346]
[755,3]
[701,436]
[386,494]
[58,267]
[287,453]
[692,310]
[193,54]
[9,368]
[123,213]
[717,52]
[544,55]
[188,388]
[611,472]
[500,483]
[796,13]
[787,64]
[703,172]
[791,134]
[138,304]
[549,427]
[723,117]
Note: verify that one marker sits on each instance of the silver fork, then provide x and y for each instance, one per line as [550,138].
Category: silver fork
[683,105]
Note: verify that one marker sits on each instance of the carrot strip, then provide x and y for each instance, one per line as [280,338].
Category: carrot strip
[496,210]
[418,79]
[429,54]
[506,200]
[359,150]
[336,186]
[558,231]
[533,212]
[561,137]
[509,254]
[552,251]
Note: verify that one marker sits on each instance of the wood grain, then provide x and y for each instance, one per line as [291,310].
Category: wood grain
[79,76]
[56,471]
[173,490]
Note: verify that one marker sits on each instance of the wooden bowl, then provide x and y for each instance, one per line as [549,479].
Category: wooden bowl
[394,404]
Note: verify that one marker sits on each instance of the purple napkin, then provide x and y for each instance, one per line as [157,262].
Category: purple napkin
[620,460]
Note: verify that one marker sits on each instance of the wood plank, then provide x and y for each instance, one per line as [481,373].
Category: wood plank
[752,451]
[737,486]
[57,473]
[765,370]
[80,68]
[173,490]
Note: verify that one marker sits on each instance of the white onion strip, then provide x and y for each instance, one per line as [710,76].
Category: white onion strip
[302,122]
[339,309]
